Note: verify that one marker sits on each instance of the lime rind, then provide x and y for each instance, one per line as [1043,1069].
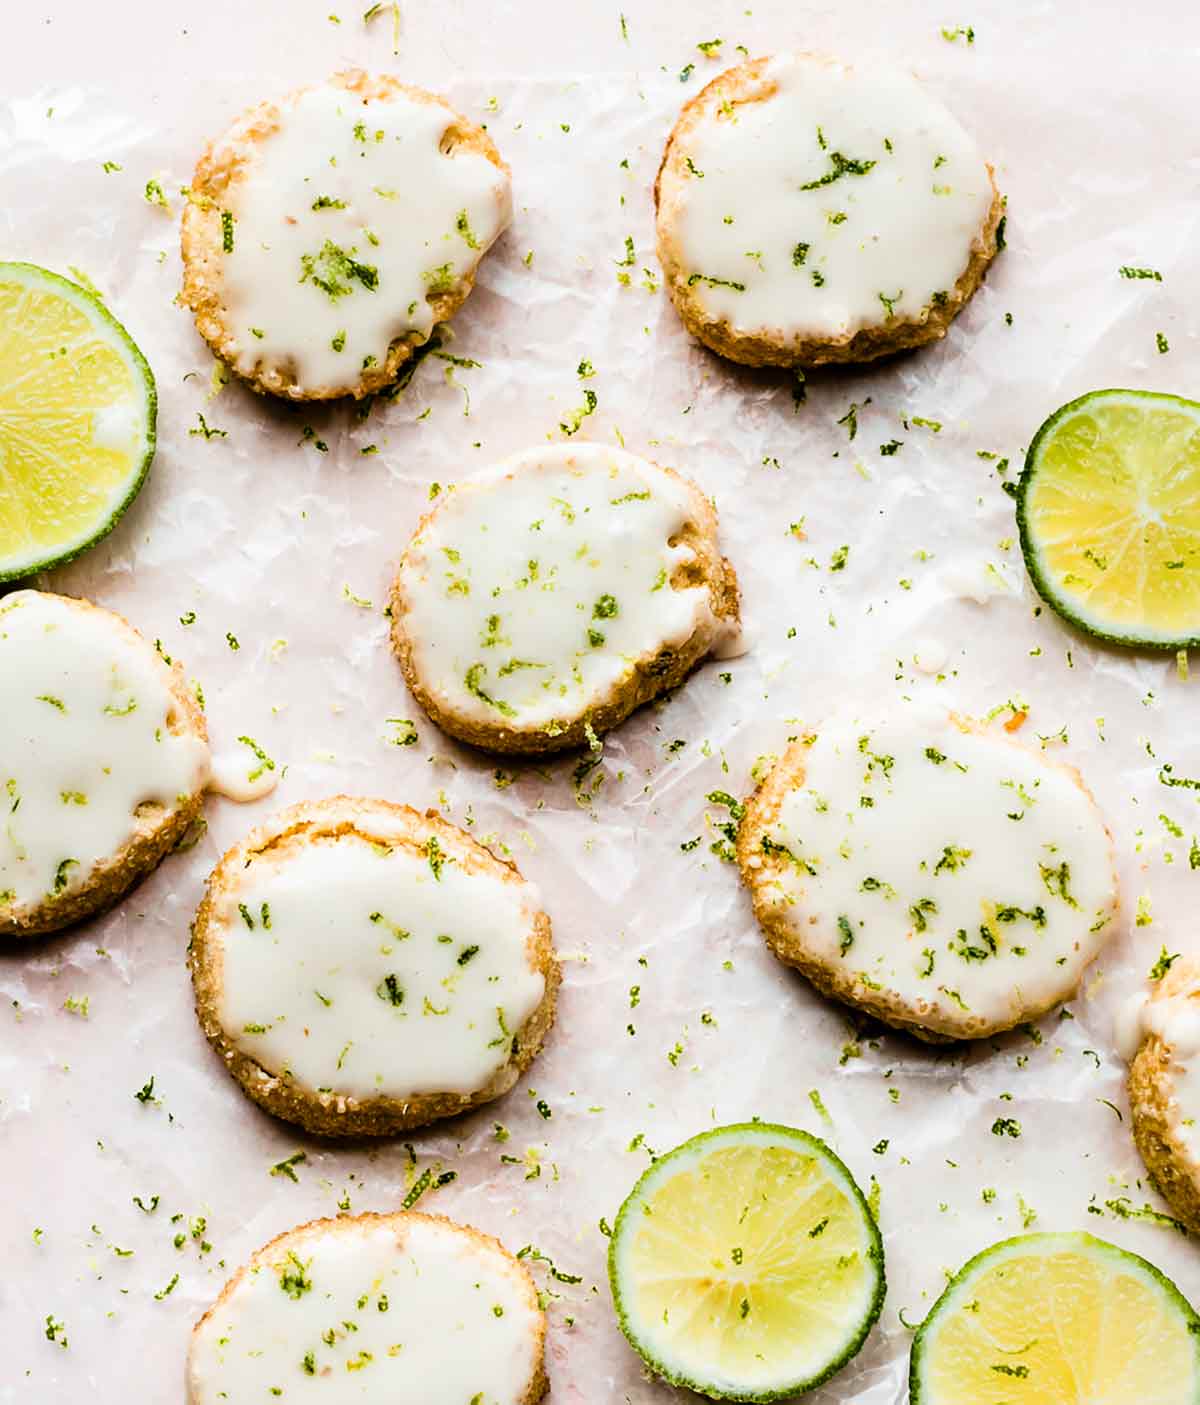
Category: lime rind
[767,1134]
[1070,608]
[119,339]
[959,1291]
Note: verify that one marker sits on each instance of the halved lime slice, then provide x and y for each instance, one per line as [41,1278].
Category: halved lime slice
[1108,508]
[746,1265]
[77,414]
[1057,1319]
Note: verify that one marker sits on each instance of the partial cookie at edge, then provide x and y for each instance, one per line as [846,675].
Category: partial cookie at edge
[156,832]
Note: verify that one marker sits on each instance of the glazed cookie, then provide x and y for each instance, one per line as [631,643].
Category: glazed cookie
[103,760]
[1164,1089]
[930,872]
[543,600]
[362,968]
[327,233]
[374,1307]
[812,211]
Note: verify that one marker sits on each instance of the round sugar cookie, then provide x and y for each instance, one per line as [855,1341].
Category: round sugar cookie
[372,1307]
[362,968]
[812,211]
[929,871]
[103,760]
[1164,1089]
[327,233]
[544,599]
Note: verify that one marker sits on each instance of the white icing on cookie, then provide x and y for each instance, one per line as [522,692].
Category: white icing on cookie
[84,740]
[372,1309]
[1128,1027]
[843,198]
[536,586]
[343,223]
[1176,1021]
[954,869]
[367,969]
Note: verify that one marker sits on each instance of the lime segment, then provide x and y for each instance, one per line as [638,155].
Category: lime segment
[1109,513]
[746,1265]
[77,416]
[1057,1319]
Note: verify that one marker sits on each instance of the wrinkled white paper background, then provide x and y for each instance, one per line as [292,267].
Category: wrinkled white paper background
[1088,119]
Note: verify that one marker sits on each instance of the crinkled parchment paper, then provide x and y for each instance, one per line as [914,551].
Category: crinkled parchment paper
[276,541]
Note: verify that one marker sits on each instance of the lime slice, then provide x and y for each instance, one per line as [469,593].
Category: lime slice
[1057,1319]
[77,411]
[1109,512]
[746,1265]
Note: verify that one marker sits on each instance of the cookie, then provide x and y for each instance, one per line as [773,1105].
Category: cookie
[813,211]
[327,233]
[1164,1089]
[374,1307]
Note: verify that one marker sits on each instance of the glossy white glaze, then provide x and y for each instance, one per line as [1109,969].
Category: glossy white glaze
[373,968]
[930,655]
[344,222]
[241,776]
[84,741]
[842,197]
[119,428]
[954,869]
[537,585]
[408,1309]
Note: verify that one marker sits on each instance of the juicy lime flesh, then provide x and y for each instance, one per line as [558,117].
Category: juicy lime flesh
[749,1266]
[1113,509]
[74,424]
[1070,1327]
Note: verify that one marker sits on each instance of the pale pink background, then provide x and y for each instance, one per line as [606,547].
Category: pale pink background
[1089,116]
